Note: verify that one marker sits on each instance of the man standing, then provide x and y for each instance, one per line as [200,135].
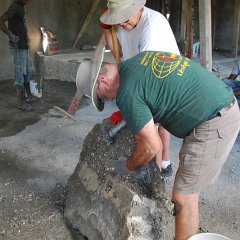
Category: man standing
[18,41]
[140,29]
[191,103]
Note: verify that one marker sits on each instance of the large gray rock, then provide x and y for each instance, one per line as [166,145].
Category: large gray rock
[104,206]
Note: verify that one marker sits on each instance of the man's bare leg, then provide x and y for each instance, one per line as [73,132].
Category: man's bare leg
[186,214]
[165,136]
[164,155]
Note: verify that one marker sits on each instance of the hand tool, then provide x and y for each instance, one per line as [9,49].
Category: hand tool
[108,134]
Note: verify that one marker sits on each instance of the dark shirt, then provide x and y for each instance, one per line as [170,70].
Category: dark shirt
[16,23]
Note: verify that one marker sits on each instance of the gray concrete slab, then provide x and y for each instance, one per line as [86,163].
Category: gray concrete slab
[63,65]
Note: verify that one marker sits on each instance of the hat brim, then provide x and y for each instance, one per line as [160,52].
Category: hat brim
[96,65]
[117,16]
[83,78]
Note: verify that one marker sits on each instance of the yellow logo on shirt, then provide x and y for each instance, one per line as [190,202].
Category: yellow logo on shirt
[146,58]
[183,67]
[164,64]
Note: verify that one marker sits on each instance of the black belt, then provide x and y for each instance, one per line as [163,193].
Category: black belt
[223,110]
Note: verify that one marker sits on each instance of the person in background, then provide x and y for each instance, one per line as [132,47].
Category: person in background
[235,85]
[140,29]
[18,41]
[202,111]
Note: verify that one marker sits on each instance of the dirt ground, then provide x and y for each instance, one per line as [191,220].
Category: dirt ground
[40,149]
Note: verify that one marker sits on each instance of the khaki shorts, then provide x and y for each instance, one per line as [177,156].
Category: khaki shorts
[205,150]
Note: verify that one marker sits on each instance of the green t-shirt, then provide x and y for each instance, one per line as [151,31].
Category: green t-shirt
[173,90]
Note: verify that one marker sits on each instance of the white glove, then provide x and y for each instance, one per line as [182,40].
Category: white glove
[13,38]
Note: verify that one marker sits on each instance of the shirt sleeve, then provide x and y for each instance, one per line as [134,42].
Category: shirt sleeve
[135,112]
[157,35]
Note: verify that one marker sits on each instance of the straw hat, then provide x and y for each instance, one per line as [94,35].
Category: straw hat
[87,77]
[120,11]
[97,102]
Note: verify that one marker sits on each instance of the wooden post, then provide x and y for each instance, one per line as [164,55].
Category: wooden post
[213,22]
[205,34]
[235,29]
[183,26]
[163,8]
[188,52]
[75,102]
[115,44]
[87,21]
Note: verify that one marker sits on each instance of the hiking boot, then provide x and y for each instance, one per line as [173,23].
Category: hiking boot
[167,172]
[21,99]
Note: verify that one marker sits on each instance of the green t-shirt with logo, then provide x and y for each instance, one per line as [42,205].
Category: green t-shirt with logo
[173,90]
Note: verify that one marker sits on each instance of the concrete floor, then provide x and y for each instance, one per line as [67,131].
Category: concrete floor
[39,150]
[12,120]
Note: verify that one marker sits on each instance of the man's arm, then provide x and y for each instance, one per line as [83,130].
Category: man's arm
[235,71]
[13,38]
[107,32]
[3,27]
[232,76]
[237,93]
[148,143]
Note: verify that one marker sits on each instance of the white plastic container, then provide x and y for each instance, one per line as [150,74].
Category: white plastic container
[208,236]
[196,49]
[36,88]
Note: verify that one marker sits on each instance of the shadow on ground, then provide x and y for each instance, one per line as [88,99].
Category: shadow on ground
[13,120]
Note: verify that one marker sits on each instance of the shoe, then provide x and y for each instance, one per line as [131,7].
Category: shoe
[22,104]
[167,172]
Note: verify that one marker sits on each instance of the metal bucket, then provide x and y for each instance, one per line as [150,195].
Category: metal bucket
[208,236]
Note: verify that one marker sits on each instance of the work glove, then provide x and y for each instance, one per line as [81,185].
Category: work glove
[103,25]
[120,166]
[116,118]
[13,38]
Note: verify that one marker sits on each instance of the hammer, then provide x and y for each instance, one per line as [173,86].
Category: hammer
[108,134]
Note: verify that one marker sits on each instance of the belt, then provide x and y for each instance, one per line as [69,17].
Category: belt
[223,110]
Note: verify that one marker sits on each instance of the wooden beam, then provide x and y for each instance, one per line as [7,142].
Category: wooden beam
[183,26]
[205,34]
[214,3]
[57,108]
[87,21]
[188,52]
[115,44]
[75,102]
[162,8]
[235,29]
